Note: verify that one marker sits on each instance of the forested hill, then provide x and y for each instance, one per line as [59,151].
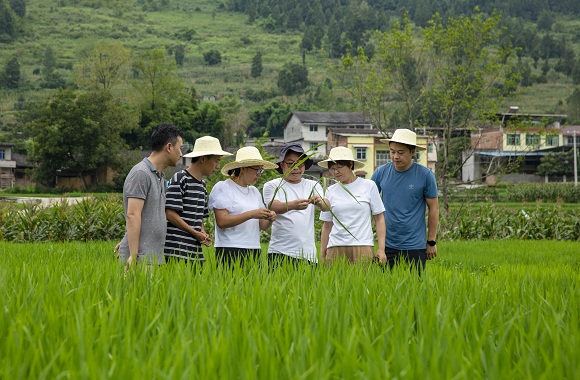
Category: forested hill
[256,60]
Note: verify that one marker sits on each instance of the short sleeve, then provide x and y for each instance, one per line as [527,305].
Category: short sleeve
[326,216]
[220,196]
[431,186]
[377,205]
[268,191]
[174,193]
[138,185]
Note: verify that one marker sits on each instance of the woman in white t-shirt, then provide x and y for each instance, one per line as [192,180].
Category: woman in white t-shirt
[238,208]
[353,201]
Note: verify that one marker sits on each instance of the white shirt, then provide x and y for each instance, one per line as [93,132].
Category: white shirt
[228,195]
[354,211]
[293,231]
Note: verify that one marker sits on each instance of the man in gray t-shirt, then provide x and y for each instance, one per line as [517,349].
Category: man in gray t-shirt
[144,199]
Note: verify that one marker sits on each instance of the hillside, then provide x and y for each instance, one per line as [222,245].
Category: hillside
[200,27]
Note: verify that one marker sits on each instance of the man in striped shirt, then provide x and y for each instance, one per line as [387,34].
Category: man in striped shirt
[186,202]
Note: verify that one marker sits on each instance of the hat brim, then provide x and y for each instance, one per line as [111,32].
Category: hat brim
[357,164]
[403,142]
[245,163]
[207,153]
[307,164]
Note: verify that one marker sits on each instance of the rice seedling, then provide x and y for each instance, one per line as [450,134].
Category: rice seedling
[484,309]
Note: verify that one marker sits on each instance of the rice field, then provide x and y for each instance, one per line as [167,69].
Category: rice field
[482,310]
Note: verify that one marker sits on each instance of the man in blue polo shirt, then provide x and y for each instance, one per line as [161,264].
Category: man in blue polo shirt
[407,190]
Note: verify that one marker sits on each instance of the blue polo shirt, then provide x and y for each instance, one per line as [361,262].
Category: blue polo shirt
[404,194]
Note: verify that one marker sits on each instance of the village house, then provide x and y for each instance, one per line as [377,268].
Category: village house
[518,142]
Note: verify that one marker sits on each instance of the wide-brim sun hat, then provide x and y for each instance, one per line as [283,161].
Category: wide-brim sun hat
[296,148]
[247,156]
[404,136]
[340,153]
[207,146]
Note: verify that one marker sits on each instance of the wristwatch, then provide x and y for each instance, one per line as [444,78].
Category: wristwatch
[432,243]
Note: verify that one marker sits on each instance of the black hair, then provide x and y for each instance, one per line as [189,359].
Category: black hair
[236,172]
[348,163]
[410,147]
[164,134]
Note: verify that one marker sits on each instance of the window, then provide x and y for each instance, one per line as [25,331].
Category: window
[552,140]
[313,146]
[570,140]
[1,154]
[513,139]
[382,157]
[430,148]
[313,128]
[361,154]
[532,139]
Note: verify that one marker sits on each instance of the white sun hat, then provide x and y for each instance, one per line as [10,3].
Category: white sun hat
[340,153]
[207,146]
[404,136]
[247,156]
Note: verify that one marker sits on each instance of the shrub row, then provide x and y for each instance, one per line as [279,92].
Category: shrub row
[89,219]
[102,219]
[493,221]
[521,192]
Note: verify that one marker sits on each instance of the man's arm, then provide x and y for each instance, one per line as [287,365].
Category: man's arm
[174,218]
[432,225]
[133,225]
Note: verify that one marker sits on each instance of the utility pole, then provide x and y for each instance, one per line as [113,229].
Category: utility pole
[575,161]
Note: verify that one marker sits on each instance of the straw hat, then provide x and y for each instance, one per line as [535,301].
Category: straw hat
[207,146]
[340,153]
[404,136]
[247,156]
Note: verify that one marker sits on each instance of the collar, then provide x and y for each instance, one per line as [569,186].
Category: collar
[152,168]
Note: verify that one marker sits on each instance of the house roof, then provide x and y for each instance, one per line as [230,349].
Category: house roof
[333,118]
[356,131]
[21,161]
[7,144]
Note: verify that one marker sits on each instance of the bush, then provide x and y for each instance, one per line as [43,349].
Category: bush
[212,57]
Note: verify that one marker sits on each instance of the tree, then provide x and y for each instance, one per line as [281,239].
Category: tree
[179,54]
[104,66]
[467,78]
[393,80]
[556,164]
[212,57]
[269,119]
[448,80]
[257,65]
[19,7]
[78,133]
[7,23]
[10,76]
[334,34]
[292,78]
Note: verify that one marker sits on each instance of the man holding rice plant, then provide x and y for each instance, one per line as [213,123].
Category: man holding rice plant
[407,189]
[186,202]
[293,198]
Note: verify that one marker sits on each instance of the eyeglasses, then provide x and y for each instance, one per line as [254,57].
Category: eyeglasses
[336,167]
[293,163]
[259,171]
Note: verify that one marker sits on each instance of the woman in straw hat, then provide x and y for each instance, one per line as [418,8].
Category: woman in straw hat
[348,233]
[238,207]
[186,202]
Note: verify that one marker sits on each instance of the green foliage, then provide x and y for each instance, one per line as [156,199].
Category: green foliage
[10,76]
[293,78]
[498,310]
[269,119]
[556,164]
[257,65]
[491,221]
[89,219]
[212,57]
[77,133]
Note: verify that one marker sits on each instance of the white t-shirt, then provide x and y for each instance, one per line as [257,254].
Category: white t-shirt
[293,231]
[355,216]
[228,195]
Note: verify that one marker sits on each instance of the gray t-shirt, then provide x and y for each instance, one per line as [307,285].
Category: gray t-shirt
[144,182]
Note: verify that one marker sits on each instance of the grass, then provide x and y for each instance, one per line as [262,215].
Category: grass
[482,310]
